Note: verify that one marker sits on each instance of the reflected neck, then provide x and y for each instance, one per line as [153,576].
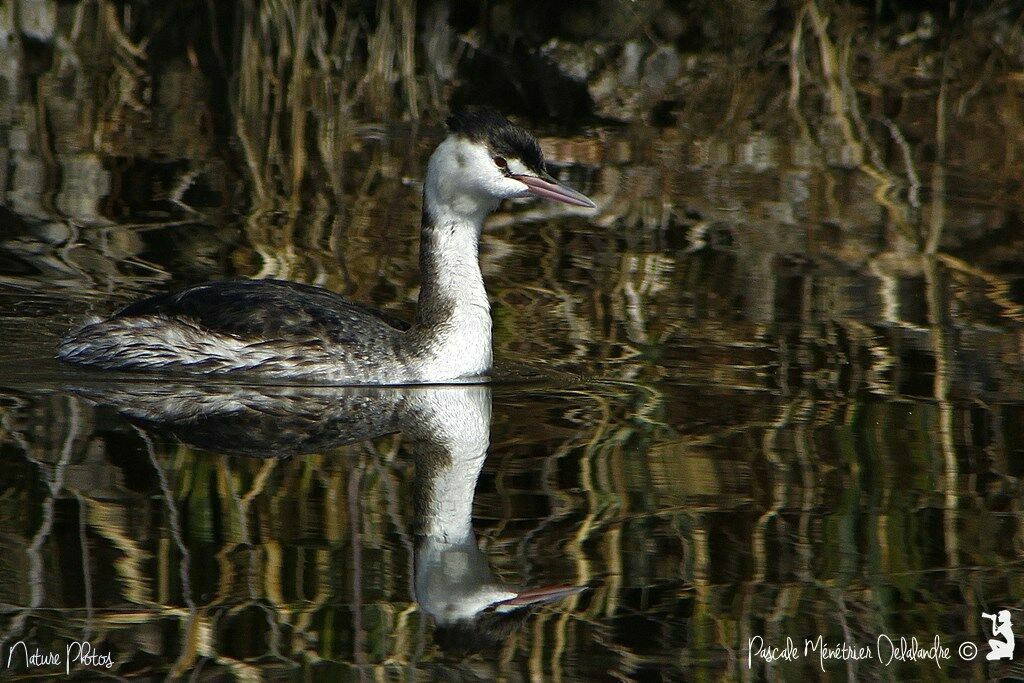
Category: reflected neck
[450,431]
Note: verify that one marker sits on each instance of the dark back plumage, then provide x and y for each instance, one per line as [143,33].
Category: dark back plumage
[268,309]
[488,126]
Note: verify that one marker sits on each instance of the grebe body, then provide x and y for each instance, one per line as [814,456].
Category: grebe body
[285,330]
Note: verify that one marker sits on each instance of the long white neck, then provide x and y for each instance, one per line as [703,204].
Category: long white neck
[454,314]
[451,285]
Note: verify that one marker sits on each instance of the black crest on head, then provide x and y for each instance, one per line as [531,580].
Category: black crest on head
[505,139]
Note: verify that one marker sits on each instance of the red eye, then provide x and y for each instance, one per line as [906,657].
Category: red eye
[500,161]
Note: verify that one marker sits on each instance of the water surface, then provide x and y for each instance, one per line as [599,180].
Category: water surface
[772,387]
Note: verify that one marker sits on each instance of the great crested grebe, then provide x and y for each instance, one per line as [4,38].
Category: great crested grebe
[283,330]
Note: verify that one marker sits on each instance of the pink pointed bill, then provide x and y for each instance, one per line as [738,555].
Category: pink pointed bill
[549,189]
[536,596]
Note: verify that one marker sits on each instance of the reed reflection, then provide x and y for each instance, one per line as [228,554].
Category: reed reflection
[448,429]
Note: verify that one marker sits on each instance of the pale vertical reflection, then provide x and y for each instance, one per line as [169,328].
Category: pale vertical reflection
[841,613]
[558,649]
[804,444]
[808,486]
[705,617]
[188,654]
[537,642]
[795,63]
[586,469]
[355,488]
[778,471]
[937,215]
[744,633]
[111,522]
[36,571]
[266,575]
[938,318]
[506,658]
[405,650]
[845,109]
[83,542]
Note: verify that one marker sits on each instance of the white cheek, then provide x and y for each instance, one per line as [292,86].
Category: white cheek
[516,167]
[493,182]
[509,188]
[463,179]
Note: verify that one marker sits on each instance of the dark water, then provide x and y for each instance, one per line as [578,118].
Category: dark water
[718,440]
[773,388]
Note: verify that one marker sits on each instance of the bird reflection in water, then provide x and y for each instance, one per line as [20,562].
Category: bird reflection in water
[448,428]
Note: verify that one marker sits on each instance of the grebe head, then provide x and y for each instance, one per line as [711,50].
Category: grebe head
[494,618]
[485,159]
